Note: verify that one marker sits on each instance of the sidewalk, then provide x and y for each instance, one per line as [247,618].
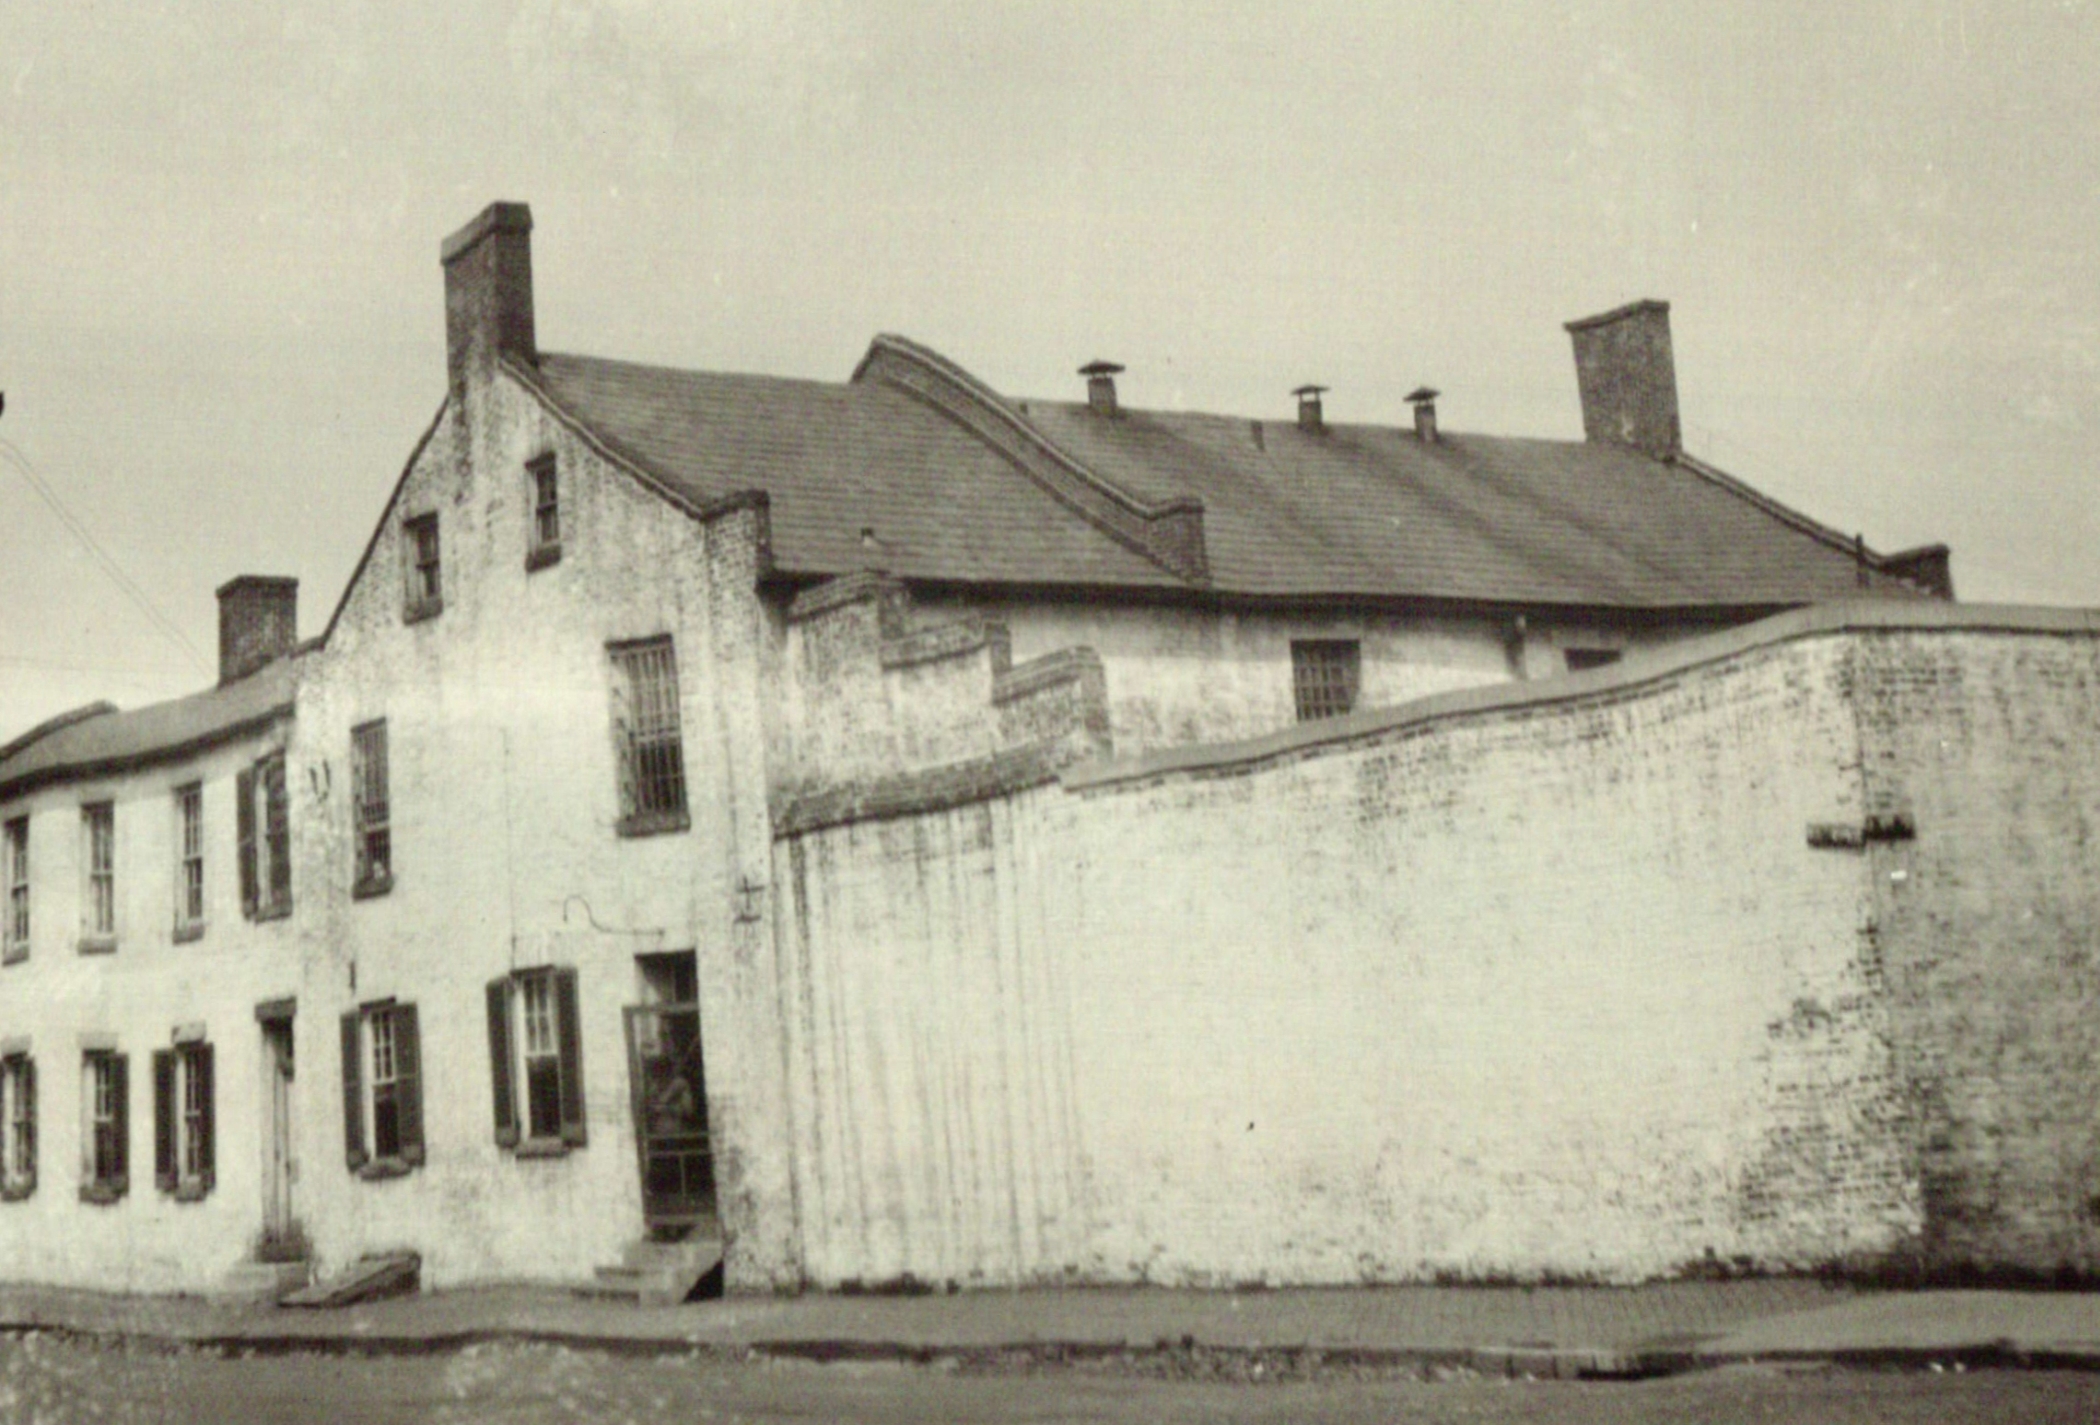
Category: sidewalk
[1504,1330]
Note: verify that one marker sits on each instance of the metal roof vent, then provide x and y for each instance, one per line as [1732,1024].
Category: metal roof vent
[1101,386]
[1309,410]
[1423,399]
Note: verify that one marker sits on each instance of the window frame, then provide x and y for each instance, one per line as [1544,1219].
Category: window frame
[371,817]
[519,1125]
[17,1125]
[98,877]
[423,579]
[14,942]
[1326,677]
[184,1129]
[646,670]
[105,1177]
[189,861]
[543,486]
[361,1040]
[263,836]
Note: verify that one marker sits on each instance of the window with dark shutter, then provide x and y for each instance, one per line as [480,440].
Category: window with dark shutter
[18,1123]
[499,1063]
[277,830]
[569,1032]
[106,1136]
[353,1093]
[164,1175]
[197,1158]
[244,824]
[408,1056]
[536,1061]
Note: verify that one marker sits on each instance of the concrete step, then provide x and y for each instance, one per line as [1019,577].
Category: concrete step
[263,1281]
[659,1273]
[366,1279]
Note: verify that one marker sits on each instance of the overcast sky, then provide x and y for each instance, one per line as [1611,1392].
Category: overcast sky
[222,327]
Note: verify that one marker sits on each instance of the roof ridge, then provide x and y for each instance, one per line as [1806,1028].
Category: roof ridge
[1778,509]
[101,707]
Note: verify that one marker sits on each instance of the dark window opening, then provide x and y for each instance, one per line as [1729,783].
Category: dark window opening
[368,796]
[1324,674]
[425,587]
[646,735]
[1581,658]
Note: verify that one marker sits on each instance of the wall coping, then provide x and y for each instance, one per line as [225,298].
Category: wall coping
[1637,670]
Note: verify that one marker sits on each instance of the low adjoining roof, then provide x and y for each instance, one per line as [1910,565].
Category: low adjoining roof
[118,741]
[958,484]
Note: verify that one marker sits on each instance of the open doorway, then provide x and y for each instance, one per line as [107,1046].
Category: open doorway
[668,1081]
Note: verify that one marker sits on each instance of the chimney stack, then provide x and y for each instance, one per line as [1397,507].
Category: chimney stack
[1309,419]
[1423,399]
[1628,377]
[258,622]
[488,293]
[1101,386]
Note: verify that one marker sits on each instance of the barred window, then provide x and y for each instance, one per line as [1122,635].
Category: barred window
[16,945]
[545,545]
[98,919]
[646,737]
[18,1123]
[424,591]
[189,861]
[368,779]
[1324,676]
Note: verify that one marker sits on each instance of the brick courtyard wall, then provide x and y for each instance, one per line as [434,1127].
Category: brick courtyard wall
[1597,977]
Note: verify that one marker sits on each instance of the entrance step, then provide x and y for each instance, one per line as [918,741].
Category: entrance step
[263,1281]
[366,1279]
[659,1273]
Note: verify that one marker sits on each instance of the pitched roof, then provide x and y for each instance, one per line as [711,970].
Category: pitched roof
[959,484]
[115,741]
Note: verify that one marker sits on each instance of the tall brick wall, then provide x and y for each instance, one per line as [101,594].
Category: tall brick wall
[1513,982]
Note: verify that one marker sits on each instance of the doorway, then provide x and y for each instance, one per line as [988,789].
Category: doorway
[282,1238]
[667,1079]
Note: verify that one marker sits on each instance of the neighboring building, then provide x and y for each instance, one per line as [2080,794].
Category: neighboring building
[771,810]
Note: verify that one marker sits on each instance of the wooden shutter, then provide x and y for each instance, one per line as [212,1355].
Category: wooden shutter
[120,1070]
[166,1176]
[244,821]
[28,1085]
[353,1093]
[500,1064]
[408,1082]
[569,1037]
[207,1128]
[277,829]
[623,730]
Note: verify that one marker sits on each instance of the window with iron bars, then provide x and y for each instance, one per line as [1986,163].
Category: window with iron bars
[189,861]
[646,738]
[544,548]
[15,946]
[368,796]
[98,919]
[424,591]
[1324,676]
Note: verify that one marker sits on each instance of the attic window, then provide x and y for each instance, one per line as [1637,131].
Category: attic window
[544,546]
[424,593]
[1582,658]
[1324,675]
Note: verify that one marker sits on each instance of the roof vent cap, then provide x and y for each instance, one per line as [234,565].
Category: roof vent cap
[1309,419]
[1423,399]
[1101,386]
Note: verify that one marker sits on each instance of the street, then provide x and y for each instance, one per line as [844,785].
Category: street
[45,1378]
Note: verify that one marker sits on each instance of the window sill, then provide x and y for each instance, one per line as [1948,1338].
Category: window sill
[104,1193]
[17,1192]
[191,1192]
[371,886]
[14,955]
[271,912]
[186,933]
[655,823]
[542,1148]
[417,611]
[540,556]
[97,944]
[375,1169]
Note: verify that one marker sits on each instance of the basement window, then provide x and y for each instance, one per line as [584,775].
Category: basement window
[646,741]
[544,547]
[382,1090]
[1582,658]
[536,1061]
[15,945]
[424,592]
[106,1125]
[1324,673]
[370,808]
[18,1123]
[182,1121]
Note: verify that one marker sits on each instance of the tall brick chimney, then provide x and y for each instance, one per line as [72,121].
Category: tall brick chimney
[258,622]
[488,293]
[1628,377]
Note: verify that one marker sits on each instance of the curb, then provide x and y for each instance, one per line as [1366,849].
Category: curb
[2002,1354]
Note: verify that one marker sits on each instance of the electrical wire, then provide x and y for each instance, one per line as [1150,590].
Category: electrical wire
[123,581]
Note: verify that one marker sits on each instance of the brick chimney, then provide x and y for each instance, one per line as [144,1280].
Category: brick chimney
[258,622]
[488,293]
[1628,377]
[1101,386]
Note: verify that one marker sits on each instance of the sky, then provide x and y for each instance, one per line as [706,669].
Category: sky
[222,322]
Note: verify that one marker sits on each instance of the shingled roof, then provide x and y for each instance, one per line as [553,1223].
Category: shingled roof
[961,485]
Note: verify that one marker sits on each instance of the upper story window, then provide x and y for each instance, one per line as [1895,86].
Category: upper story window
[422,572]
[189,861]
[1581,658]
[382,1089]
[369,806]
[646,742]
[98,903]
[14,945]
[264,826]
[17,1126]
[535,1042]
[182,1120]
[544,548]
[1324,675]
[106,1125]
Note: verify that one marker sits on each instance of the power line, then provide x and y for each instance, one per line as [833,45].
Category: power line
[123,581]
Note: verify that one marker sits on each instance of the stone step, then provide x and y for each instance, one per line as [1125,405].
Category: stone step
[263,1281]
[366,1279]
[658,1273]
